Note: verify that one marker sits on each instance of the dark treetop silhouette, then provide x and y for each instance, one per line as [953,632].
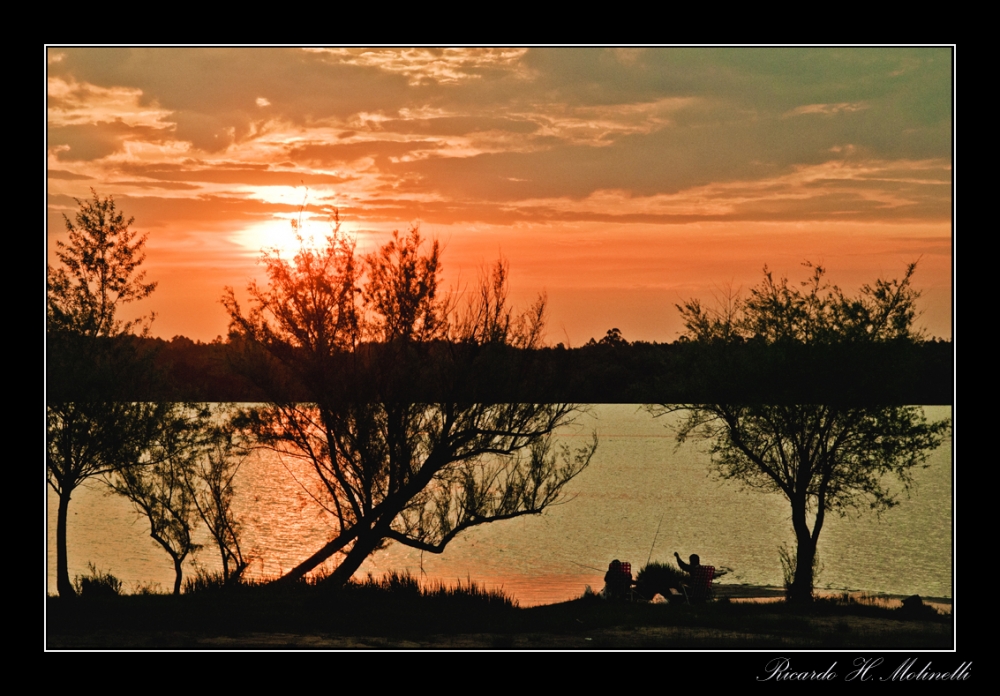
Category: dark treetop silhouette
[821,457]
[92,361]
[357,338]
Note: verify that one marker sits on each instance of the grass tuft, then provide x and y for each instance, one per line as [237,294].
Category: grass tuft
[97,584]
[470,592]
[206,582]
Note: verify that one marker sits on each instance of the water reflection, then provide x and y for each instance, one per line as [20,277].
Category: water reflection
[637,478]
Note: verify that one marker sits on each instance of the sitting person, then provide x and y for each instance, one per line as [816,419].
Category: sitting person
[700,588]
[618,580]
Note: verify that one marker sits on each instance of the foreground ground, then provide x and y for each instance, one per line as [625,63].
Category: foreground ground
[357,621]
[851,632]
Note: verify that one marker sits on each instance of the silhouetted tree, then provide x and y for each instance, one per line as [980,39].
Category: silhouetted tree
[91,362]
[212,490]
[159,482]
[612,338]
[359,339]
[99,273]
[185,475]
[821,457]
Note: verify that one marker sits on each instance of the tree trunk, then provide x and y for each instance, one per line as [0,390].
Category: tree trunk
[366,543]
[361,550]
[63,584]
[801,589]
[177,575]
[225,564]
[328,550]
[384,513]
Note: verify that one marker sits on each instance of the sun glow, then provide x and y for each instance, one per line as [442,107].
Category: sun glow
[654,173]
[284,235]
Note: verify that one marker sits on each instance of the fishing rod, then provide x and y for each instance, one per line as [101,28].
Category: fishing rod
[654,539]
[658,525]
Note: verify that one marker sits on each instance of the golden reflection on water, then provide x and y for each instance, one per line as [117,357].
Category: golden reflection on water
[639,481]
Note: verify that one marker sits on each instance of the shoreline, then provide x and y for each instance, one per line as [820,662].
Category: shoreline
[764,594]
[749,617]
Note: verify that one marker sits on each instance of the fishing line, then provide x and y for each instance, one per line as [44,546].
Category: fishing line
[587,566]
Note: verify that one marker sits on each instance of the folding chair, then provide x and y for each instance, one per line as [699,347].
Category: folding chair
[700,588]
[619,581]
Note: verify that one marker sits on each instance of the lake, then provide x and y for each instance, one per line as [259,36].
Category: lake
[641,497]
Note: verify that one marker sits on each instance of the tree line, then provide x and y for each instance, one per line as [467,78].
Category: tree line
[753,371]
[418,416]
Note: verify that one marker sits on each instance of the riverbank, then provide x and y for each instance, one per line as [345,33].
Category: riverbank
[764,594]
[744,619]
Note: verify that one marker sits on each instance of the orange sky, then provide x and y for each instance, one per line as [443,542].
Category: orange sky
[620,181]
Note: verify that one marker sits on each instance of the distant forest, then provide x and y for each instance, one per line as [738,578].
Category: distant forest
[614,370]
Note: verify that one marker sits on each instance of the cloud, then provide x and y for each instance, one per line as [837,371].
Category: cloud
[827,108]
[90,141]
[207,211]
[261,175]
[62,174]
[458,125]
[477,127]
[664,163]
[212,93]
[332,154]
[164,185]
[429,65]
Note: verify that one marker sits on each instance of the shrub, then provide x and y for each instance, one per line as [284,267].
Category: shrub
[97,584]
[658,578]
[204,582]
[146,589]
[788,557]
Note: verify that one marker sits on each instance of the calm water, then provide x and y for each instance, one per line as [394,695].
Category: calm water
[638,480]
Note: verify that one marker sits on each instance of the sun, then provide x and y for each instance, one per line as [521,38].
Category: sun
[286,235]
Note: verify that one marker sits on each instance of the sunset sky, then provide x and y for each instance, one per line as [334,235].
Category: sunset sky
[620,181]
